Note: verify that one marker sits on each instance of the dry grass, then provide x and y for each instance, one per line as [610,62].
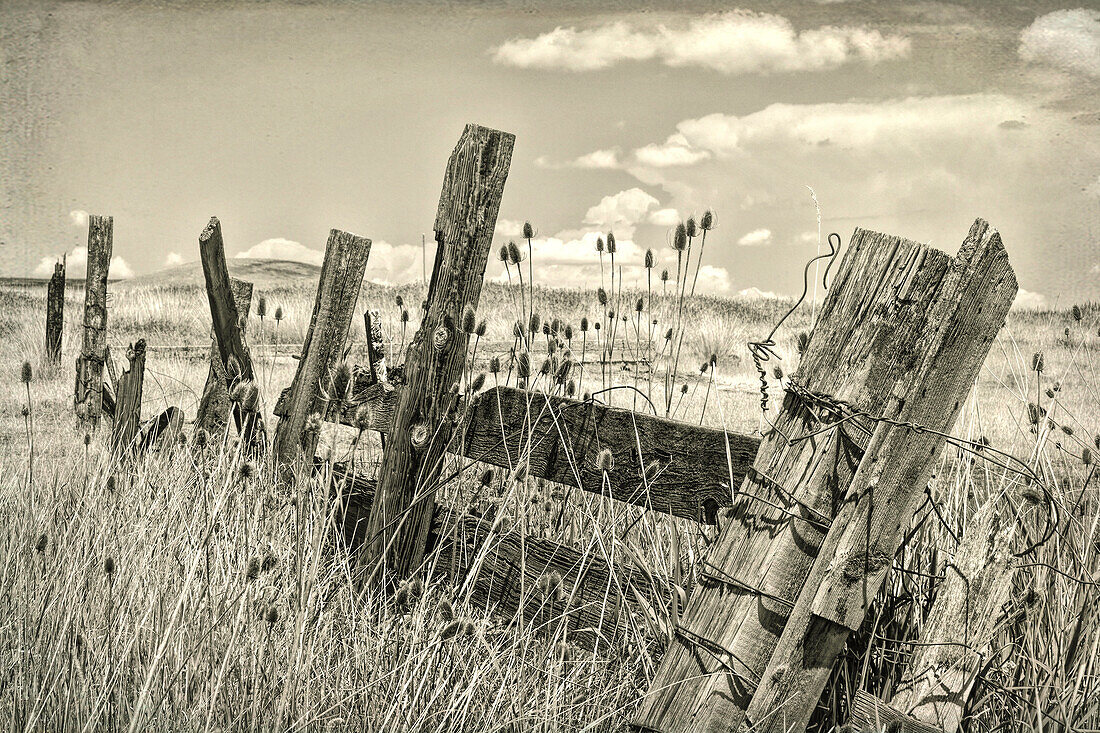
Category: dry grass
[229,606]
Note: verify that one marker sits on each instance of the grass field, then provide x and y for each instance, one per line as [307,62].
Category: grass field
[189,594]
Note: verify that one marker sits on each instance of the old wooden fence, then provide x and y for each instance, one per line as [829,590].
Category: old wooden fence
[808,517]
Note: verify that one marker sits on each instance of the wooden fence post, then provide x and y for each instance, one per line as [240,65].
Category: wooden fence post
[213,413]
[88,397]
[312,388]
[243,390]
[863,343]
[55,313]
[960,626]
[376,344]
[128,400]
[400,518]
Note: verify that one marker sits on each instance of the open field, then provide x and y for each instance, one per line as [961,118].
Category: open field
[188,594]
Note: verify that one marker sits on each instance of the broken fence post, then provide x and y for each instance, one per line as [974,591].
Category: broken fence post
[213,413]
[376,344]
[55,313]
[243,390]
[313,387]
[128,400]
[88,396]
[400,518]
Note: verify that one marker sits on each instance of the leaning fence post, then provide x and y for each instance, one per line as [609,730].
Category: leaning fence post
[337,292]
[55,313]
[128,399]
[401,513]
[243,390]
[213,413]
[88,397]
[972,304]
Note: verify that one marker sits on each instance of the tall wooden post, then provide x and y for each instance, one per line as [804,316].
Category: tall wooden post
[88,397]
[337,292]
[55,313]
[213,413]
[128,401]
[971,307]
[401,513]
[863,344]
[243,390]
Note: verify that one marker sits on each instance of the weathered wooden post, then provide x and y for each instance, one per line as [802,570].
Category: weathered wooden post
[310,393]
[401,513]
[960,626]
[55,313]
[88,397]
[243,390]
[376,344]
[972,304]
[213,413]
[865,342]
[128,400]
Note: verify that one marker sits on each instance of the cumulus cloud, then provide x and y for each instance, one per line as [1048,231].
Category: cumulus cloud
[1065,39]
[76,265]
[673,152]
[278,248]
[508,228]
[1027,300]
[756,238]
[734,42]
[173,259]
[607,159]
[755,293]
[664,217]
[398,263]
[621,212]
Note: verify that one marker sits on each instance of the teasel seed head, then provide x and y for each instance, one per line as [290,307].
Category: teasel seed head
[404,315]
[450,630]
[692,229]
[584,324]
[778,372]
[494,365]
[1037,362]
[668,334]
[680,238]
[445,610]
[247,470]
[278,313]
[599,244]
[601,296]
[683,389]
[611,246]
[469,319]
[604,460]
[536,321]
[803,342]
[399,301]
[252,570]
[87,439]
[639,306]
[545,329]
[261,307]
[504,254]
[664,276]
[109,566]
[707,222]
[513,253]
[1067,430]
[363,417]
[480,329]
[43,541]
[478,383]
[487,477]
[649,259]
[568,332]
[544,368]
[523,365]
[1086,456]
[26,374]
[528,230]
[271,615]
[570,388]
[1077,313]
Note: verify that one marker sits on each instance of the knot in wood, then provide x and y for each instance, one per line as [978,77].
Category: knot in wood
[419,435]
[441,338]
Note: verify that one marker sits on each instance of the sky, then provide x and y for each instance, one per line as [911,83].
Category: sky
[288,119]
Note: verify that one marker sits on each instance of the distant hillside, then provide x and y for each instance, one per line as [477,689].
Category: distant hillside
[264,274]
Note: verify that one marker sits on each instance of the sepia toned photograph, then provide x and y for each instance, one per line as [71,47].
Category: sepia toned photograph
[533,367]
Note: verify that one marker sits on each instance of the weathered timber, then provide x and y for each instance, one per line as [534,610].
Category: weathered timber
[472,187]
[313,387]
[686,471]
[55,313]
[970,308]
[162,431]
[864,342]
[128,401]
[213,412]
[592,589]
[870,713]
[242,386]
[960,625]
[376,345]
[88,396]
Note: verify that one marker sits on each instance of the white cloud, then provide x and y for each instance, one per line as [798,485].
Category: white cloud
[674,151]
[1027,300]
[173,259]
[278,248]
[755,293]
[508,228]
[756,238]
[399,263]
[621,212]
[664,217]
[76,265]
[734,42]
[607,159]
[78,218]
[1065,39]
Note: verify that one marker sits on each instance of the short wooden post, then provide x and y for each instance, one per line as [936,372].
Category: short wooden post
[88,397]
[55,313]
[972,304]
[128,400]
[243,390]
[400,518]
[312,389]
[867,330]
[376,345]
[213,413]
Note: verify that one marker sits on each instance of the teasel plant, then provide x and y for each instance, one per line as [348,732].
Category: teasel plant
[26,375]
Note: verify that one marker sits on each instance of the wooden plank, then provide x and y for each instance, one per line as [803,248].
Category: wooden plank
[242,386]
[864,342]
[88,395]
[468,205]
[162,431]
[870,713]
[213,412]
[590,608]
[55,313]
[376,345]
[970,308]
[957,635]
[128,400]
[312,389]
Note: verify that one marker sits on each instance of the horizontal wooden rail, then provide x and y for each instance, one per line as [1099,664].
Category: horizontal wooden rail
[590,603]
[687,473]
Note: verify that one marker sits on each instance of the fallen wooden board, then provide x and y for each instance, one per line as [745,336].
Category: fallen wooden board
[687,473]
[868,712]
